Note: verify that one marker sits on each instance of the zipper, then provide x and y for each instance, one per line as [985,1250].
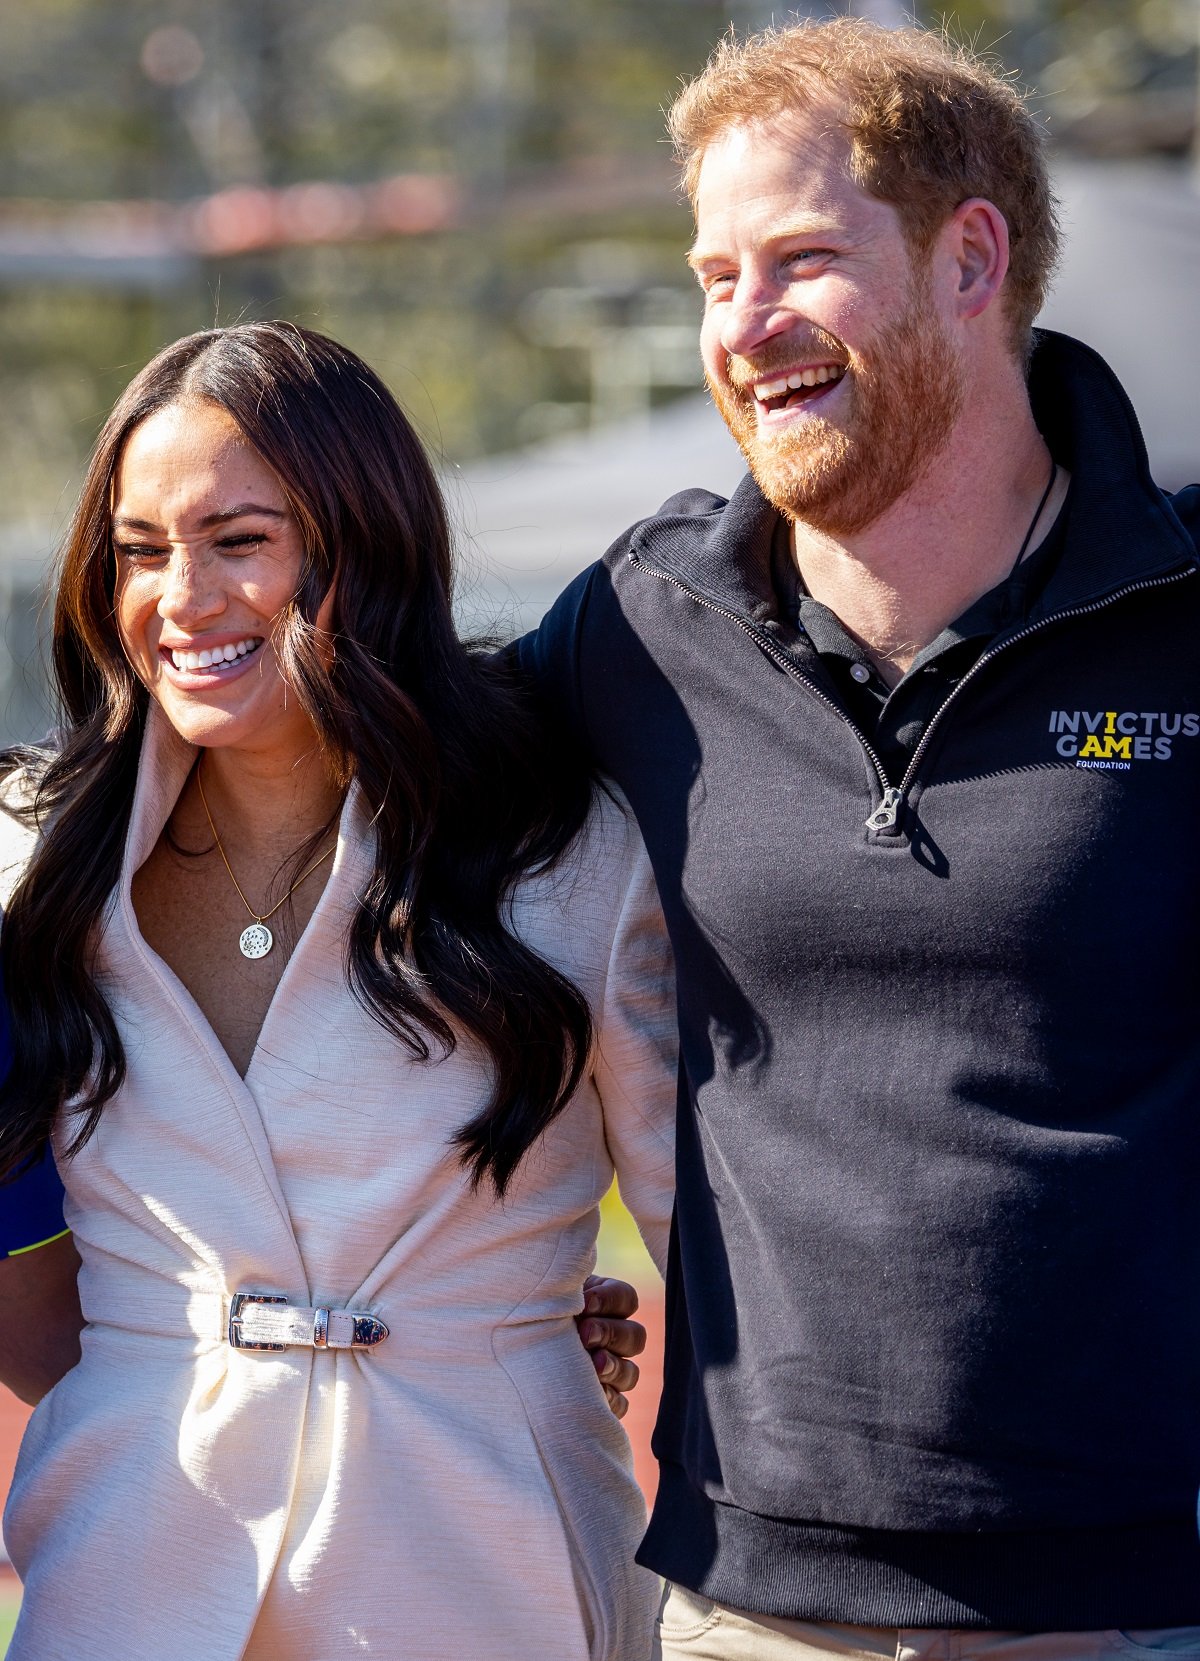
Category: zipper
[767,645]
[887,814]
[876,820]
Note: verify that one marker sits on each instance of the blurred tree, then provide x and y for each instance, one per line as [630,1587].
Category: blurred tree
[548,112]
[1116,76]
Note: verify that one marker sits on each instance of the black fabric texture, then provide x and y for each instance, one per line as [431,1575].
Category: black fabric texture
[932,1291]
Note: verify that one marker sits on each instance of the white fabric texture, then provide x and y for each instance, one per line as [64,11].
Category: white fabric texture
[461,1490]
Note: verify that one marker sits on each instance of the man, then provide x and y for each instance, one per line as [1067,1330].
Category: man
[911,729]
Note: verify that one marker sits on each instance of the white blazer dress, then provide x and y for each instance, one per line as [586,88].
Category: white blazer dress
[460,1489]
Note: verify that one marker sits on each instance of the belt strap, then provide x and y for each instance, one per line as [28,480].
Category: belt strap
[266,1321]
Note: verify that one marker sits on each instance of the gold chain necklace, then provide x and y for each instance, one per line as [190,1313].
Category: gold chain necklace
[255,940]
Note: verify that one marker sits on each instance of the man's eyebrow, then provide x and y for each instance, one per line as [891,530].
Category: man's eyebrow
[125,522]
[697,256]
[817,225]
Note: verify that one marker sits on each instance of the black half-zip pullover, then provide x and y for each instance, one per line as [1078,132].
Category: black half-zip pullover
[932,1349]
[893,719]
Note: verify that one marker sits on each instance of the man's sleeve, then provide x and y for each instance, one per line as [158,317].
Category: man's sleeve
[31,1207]
[551,654]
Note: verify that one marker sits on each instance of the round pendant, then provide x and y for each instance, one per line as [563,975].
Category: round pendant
[255,941]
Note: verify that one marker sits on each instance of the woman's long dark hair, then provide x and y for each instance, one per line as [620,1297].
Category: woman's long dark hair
[446,746]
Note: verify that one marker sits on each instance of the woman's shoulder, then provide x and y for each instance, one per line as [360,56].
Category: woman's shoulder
[606,850]
[610,831]
[572,910]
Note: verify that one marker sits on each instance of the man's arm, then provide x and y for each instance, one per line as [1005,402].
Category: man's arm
[548,658]
[40,1317]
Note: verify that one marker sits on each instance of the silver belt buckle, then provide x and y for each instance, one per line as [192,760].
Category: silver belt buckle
[237,1304]
[318,1329]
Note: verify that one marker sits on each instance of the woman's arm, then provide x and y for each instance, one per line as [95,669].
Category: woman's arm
[636,1056]
[40,1318]
[635,1070]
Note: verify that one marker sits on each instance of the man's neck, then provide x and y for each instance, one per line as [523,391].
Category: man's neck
[953,536]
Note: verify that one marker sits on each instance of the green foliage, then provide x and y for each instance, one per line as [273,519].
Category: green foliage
[97,100]
[108,100]
[1080,53]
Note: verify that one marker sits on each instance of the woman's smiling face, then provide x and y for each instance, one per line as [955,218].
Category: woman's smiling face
[208,554]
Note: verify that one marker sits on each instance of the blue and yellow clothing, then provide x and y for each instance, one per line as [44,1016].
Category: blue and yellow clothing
[31,1211]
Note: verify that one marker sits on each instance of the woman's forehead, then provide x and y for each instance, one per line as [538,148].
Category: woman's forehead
[191,452]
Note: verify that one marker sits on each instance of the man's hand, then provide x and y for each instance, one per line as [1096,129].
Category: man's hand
[611,1337]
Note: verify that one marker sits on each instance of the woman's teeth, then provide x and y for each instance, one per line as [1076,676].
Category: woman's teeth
[216,657]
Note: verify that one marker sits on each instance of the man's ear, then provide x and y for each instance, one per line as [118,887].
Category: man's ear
[975,240]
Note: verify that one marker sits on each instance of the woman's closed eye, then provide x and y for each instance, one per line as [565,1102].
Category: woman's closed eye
[244,543]
[139,551]
[142,552]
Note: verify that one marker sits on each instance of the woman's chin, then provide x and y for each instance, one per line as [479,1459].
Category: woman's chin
[211,720]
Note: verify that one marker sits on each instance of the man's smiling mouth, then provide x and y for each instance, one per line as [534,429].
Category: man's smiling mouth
[797,386]
[216,657]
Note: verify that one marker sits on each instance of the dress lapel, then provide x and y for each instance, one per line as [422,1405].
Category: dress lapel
[203,1071]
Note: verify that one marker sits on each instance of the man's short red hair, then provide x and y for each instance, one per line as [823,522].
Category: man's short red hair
[930,125]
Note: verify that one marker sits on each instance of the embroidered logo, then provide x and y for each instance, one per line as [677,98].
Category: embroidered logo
[1113,740]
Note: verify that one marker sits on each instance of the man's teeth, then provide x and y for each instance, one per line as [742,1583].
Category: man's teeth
[217,657]
[798,378]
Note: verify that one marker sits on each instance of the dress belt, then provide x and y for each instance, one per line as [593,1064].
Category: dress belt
[266,1321]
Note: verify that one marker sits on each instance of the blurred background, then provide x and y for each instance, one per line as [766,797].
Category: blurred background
[477,196]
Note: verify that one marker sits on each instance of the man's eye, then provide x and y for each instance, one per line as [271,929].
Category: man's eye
[720,282]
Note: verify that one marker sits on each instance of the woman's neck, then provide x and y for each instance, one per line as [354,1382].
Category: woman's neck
[271,802]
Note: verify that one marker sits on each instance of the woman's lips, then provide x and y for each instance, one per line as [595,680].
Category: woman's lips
[216,657]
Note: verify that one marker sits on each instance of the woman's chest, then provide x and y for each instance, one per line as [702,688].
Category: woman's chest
[191,916]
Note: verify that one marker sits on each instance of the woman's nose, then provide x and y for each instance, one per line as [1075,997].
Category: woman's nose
[190,591]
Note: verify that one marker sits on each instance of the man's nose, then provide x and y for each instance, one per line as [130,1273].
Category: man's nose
[753,316]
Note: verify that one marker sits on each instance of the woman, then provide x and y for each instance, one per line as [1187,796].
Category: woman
[340,1005]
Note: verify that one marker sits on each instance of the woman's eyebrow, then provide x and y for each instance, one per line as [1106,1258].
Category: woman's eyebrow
[123,521]
[243,508]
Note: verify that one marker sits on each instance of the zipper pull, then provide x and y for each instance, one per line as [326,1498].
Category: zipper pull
[888,811]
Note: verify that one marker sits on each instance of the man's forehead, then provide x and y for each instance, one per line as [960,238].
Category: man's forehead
[814,134]
[794,166]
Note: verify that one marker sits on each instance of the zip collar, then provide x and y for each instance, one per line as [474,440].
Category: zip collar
[1122,528]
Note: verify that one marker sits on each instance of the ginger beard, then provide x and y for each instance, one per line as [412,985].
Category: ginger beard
[904,390]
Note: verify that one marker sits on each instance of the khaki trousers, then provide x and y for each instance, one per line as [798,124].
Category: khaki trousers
[693,1628]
